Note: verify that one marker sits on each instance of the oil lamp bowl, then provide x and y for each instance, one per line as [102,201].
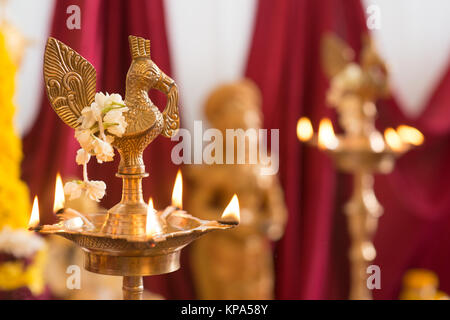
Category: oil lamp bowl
[131,255]
[365,160]
[354,153]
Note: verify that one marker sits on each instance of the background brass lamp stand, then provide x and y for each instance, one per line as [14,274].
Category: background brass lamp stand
[118,243]
[361,150]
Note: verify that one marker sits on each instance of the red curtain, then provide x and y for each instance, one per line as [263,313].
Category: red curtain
[413,231]
[50,146]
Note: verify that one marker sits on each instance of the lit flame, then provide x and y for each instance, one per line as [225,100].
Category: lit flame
[376,141]
[304,129]
[34,219]
[327,138]
[177,193]
[232,211]
[410,135]
[393,139]
[152,226]
[59,194]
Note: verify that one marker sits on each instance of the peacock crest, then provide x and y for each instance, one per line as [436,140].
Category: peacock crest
[139,47]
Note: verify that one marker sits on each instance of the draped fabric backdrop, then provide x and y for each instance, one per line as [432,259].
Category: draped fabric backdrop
[413,232]
[50,147]
[284,60]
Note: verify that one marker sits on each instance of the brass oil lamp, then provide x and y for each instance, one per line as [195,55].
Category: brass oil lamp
[361,150]
[132,240]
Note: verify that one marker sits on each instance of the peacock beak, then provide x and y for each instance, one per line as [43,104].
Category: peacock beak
[164,83]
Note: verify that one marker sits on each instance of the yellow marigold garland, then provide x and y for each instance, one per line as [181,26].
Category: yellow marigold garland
[14,275]
[14,195]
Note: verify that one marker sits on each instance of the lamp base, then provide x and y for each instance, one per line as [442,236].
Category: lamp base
[116,265]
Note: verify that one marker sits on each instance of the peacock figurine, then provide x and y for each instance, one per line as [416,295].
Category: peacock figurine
[144,118]
[70,82]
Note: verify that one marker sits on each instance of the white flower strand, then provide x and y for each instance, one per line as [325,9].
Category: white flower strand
[95,190]
[99,123]
[20,243]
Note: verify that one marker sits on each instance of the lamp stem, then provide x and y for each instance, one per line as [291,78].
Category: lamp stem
[133,287]
[363,211]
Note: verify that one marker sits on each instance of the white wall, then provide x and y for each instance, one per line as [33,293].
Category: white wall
[209,42]
[33,18]
[210,39]
[414,38]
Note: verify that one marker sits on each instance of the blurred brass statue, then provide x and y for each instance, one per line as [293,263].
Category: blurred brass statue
[361,149]
[236,264]
[354,87]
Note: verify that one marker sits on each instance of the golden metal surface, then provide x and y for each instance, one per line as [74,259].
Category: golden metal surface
[118,245]
[138,255]
[354,88]
[133,288]
[363,208]
[99,262]
[70,81]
